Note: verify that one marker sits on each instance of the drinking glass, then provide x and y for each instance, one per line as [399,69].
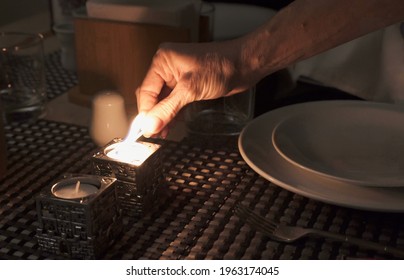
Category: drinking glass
[22,76]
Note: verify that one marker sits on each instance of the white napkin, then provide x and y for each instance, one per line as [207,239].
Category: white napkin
[371,67]
[177,13]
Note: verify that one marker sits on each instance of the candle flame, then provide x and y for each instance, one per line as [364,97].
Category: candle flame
[135,130]
[77,187]
[129,150]
[141,124]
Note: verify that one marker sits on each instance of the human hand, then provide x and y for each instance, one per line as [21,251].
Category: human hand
[182,73]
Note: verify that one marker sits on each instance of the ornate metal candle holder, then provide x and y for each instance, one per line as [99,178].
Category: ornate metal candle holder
[79,222]
[137,182]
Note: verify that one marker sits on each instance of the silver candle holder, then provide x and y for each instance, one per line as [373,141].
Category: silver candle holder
[78,216]
[138,180]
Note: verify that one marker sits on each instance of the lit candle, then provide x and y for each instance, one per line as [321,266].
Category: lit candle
[133,153]
[129,150]
[71,189]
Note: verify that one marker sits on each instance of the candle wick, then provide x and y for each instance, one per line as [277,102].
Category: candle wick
[77,186]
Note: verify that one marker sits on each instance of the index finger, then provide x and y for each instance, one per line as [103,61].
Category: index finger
[150,89]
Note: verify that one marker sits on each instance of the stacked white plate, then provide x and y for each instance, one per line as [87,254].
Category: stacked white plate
[347,153]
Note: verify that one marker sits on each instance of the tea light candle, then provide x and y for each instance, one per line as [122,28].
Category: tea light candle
[133,153]
[73,190]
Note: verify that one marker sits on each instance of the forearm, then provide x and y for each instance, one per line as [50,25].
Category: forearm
[308,27]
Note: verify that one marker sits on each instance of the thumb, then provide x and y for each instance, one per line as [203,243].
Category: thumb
[165,111]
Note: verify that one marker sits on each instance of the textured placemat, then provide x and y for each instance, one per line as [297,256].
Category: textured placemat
[193,219]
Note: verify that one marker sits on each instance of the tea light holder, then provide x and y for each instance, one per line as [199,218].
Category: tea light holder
[78,216]
[138,181]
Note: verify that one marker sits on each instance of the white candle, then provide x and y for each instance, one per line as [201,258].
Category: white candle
[133,153]
[74,189]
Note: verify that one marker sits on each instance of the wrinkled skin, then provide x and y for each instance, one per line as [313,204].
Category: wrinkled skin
[183,73]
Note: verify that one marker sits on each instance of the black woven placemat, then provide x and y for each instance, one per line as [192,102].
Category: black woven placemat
[193,219]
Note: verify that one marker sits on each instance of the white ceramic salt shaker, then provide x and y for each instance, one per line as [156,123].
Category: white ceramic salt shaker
[109,119]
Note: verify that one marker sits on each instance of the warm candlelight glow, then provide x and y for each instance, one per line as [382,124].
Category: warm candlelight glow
[133,153]
[130,151]
[135,130]
[141,124]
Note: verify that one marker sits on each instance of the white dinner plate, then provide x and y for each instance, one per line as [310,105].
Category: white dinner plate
[358,142]
[257,149]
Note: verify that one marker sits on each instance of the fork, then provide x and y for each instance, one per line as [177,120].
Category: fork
[285,233]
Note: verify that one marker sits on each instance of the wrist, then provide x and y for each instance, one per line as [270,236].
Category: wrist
[252,61]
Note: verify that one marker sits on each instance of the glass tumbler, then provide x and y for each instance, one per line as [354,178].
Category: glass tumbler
[22,76]
[224,116]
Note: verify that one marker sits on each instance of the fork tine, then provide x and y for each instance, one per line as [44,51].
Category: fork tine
[260,218]
[244,216]
[257,218]
[256,221]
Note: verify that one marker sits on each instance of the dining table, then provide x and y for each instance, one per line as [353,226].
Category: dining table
[193,217]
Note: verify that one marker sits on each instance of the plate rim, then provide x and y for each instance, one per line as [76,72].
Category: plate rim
[326,190]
